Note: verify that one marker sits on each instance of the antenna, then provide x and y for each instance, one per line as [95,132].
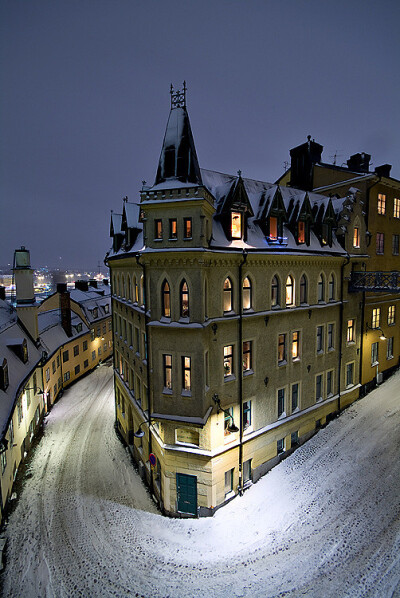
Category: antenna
[335,156]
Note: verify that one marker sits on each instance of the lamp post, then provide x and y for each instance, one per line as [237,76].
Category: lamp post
[232,427]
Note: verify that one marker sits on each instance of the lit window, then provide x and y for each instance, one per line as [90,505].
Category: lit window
[282,349]
[173,228]
[303,289]
[374,353]
[228,419]
[246,414]
[380,243]
[376,317]
[396,207]
[289,291]
[321,288]
[389,349]
[275,292]
[165,300]
[158,229]
[381,203]
[350,331]
[247,356]
[187,228]
[395,245]
[281,401]
[356,237]
[227,295]
[246,293]
[318,387]
[391,314]
[301,232]
[228,361]
[320,339]
[295,396]
[186,374]
[184,299]
[273,228]
[167,371]
[295,344]
[236,225]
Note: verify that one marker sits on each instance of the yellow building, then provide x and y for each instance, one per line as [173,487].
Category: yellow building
[42,350]
[376,277]
[235,336]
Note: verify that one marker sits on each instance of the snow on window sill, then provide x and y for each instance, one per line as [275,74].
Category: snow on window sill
[157,240]
[248,429]
[173,239]
[296,410]
[229,378]
[188,444]
[229,495]
[167,391]
[184,320]
[283,362]
[282,415]
[248,372]
[230,312]
[186,393]
[165,319]
[389,357]
[374,364]
[296,359]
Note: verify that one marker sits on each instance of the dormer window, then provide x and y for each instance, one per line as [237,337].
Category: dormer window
[236,225]
[95,312]
[327,234]
[301,231]
[4,381]
[273,228]
[356,237]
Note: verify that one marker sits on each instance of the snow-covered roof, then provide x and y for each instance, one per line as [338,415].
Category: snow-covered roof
[52,334]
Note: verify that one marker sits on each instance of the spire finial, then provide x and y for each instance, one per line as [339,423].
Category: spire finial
[178,97]
[239,173]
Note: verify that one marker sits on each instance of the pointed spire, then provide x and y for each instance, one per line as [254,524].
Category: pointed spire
[178,158]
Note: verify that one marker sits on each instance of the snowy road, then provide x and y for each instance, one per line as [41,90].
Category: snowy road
[324,523]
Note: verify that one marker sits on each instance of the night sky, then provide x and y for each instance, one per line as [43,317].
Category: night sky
[85,99]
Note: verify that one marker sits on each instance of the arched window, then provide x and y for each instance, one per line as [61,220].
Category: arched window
[331,288]
[321,288]
[135,290]
[136,296]
[303,289]
[289,291]
[128,288]
[123,286]
[118,290]
[227,294]
[275,291]
[142,290]
[165,300]
[184,299]
[205,300]
[246,293]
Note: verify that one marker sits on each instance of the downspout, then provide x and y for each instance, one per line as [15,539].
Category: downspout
[240,365]
[147,345]
[347,260]
[112,332]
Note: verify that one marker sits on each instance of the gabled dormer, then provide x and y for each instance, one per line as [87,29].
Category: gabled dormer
[234,211]
[129,223]
[4,380]
[303,222]
[116,232]
[328,224]
[275,218]
[20,347]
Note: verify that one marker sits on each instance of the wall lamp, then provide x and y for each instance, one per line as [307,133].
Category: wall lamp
[368,327]
[232,427]
[139,432]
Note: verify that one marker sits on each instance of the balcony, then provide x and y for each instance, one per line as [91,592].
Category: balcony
[375,282]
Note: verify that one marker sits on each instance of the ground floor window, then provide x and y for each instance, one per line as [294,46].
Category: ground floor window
[280,446]
[247,471]
[389,351]
[228,481]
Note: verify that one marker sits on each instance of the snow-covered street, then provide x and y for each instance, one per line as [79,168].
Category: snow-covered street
[323,523]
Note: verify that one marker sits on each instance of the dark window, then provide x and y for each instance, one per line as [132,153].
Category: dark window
[349,374]
[77,369]
[65,356]
[281,401]
[76,350]
[395,245]
[331,288]
[374,353]
[295,396]
[303,289]
[246,414]
[4,380]
[321,288]
[320,339]
[86,363]
[331,338]
[380,243]
[247,361]
[275,299]
[53,366]
[318,387]
[84,346]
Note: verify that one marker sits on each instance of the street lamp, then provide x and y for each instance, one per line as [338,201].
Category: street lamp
[368,327]
[139,432]
[232,427]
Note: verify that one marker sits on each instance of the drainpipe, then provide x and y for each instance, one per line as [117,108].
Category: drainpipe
[147,344]
[106,263]
[240,364]
[347,260]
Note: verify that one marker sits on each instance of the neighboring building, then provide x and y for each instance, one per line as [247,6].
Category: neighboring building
[235,336]
[43,348]
[378,277]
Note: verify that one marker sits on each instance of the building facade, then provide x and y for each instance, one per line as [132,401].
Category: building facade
[235,334]
[377,278]
[43,349]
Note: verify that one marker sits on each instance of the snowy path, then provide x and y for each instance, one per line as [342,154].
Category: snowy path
[324,523]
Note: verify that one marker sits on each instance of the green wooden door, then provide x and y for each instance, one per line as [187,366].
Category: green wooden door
[186,490]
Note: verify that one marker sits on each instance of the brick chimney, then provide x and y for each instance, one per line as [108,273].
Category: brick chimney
[2,293]
[65,308]
[25,294]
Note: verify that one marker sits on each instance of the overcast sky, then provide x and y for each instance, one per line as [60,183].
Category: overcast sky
[85,99]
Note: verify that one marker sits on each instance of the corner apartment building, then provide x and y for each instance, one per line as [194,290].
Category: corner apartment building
[235,335]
